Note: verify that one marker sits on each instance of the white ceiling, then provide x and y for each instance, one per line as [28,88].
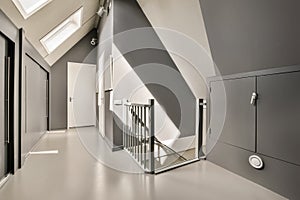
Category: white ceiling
[43,21]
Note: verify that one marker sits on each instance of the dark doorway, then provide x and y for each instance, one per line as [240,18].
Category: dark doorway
[6,106]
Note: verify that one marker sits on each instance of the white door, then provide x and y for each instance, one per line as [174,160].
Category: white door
[81,95]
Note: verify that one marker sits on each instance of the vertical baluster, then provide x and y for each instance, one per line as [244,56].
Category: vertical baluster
[131,131]
[129,135]
[127,127]
[145,137]
[141,127]
[126,123]
[140,138]
[151,135]
[135,131]
[140,135]
[124,127]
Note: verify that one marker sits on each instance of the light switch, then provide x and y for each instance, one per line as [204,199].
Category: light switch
[117,102]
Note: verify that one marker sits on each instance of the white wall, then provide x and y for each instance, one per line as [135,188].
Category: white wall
[128,85]
[190,53]
[104,51]
[184,19]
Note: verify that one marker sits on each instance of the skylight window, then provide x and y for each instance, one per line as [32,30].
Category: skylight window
[29,7]
[62,32]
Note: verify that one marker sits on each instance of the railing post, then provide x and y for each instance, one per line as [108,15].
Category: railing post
[131,131]
[151,135]
[124,124]
[201,125]
[138,134]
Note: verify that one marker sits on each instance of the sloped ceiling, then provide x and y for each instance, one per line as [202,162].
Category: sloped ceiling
[47,18]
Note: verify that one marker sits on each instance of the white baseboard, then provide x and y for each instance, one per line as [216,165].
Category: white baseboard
[57,131]
[4,180]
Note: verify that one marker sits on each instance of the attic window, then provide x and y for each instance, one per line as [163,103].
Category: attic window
[29,7]
[62,32]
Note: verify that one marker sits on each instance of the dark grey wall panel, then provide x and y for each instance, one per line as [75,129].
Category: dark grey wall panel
[118,132]
[12,32]
[278,116]
[239,125]
[35,104]
[34,76]
[149,51]
[113,133]
[108,119]
[3,145]
[281,177]
[44,102]
[277,122]
[247,35]
[82,52]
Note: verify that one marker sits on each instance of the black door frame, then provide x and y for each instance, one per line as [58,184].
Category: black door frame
[9,105]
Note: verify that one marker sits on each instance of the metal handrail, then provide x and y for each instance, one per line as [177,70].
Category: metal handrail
[136,104]
[139,139]
[138,136]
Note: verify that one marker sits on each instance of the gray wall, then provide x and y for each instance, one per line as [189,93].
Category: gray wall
[269,129]
[105,35]
[129,16]
[82,52]
[11,31]
[247,35]
[32,64]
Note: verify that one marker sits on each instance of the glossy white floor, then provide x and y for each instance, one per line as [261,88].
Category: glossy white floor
[73,174]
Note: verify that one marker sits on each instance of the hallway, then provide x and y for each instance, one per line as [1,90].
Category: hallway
[73,174]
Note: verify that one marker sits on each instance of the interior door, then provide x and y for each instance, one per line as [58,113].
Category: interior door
[36,109]
[6,107]
[81,95]
[3,143]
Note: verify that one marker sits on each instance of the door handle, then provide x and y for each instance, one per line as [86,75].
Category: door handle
[253,98]
[71,99]
[7,103]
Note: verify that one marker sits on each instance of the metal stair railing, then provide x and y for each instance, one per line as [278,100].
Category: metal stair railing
[138,133]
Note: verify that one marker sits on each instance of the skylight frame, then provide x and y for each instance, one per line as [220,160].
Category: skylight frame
[27,12]
[58,35]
